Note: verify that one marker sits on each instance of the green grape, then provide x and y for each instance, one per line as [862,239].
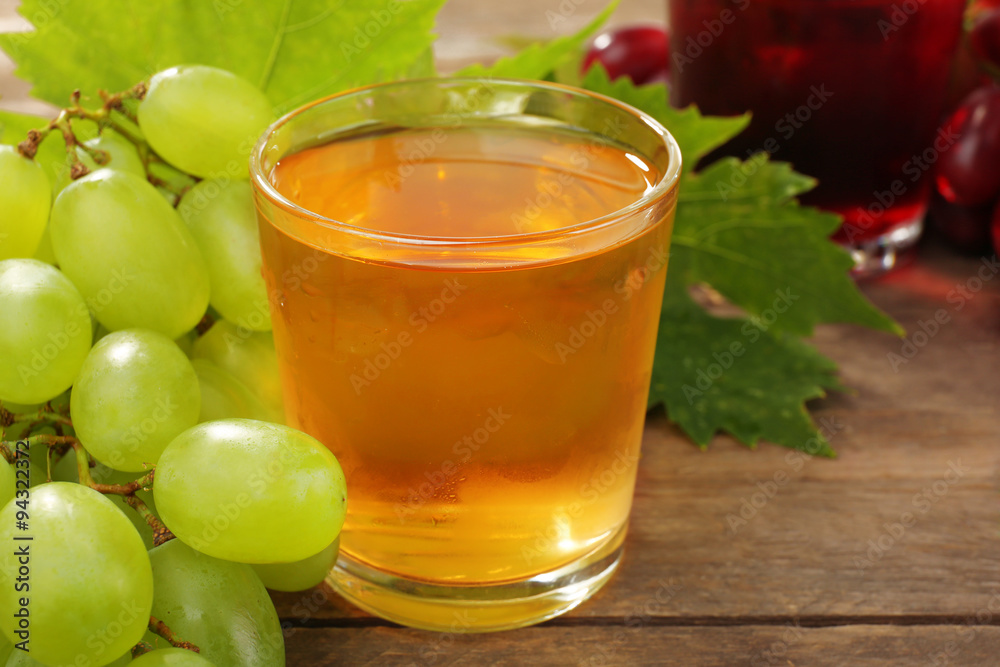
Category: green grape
[122,156]
[219,606]
[8,482]
[6,648]
[44,253]
[129,253]
[186,342]
[223,221]
[19,658]
[172,657]
[250,491]
[100,331]
[91,584]
[204,120]
[135,393]
[45,334]
[66,470]
[25,199]
[250,357]
[225,397]
[300,575]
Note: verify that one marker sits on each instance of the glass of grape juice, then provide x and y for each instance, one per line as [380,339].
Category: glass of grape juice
[849,91]
[465,279]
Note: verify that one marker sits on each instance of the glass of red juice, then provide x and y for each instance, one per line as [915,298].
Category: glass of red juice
[849,91]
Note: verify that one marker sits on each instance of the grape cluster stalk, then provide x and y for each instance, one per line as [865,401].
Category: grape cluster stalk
[148,477]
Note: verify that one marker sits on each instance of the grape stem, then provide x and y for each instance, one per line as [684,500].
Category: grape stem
[9,454]
[43,414]
[160,628]
[204,324]
[114,114]
[140,649]
[161,533]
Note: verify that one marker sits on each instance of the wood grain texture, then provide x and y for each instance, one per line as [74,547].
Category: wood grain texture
[902,529]
[755,645]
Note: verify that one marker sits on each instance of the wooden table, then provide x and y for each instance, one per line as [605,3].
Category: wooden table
[739,557]
[820,568]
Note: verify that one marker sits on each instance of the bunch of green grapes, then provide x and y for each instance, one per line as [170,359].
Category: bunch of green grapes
[136,356]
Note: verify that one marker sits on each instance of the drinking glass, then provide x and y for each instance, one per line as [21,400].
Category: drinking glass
[466,278]
[849,91]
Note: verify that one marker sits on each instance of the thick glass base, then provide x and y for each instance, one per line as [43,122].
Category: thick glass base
[886,251]
[486,608]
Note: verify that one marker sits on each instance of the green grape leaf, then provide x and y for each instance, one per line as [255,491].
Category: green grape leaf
[756,241]
[294,51]
[738,376]
[539,60]
[695,134]
[739,229]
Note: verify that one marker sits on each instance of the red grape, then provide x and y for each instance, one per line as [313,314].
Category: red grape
[638,52]
[985,36]
[965,228]
[968,172]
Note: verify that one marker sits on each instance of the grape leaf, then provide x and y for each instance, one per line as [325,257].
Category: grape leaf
[733,375]
[294,51]
[537,60]
[739,229]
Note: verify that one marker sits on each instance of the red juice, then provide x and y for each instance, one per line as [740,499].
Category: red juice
[849,91]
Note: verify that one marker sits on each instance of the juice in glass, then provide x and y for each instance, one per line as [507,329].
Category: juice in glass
[850,91]
[466,282]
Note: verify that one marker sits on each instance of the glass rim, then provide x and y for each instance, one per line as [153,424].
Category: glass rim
[663,188]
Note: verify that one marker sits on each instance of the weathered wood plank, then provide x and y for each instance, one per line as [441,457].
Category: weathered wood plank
[650,645]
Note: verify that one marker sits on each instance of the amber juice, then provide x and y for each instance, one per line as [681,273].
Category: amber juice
[485,398]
